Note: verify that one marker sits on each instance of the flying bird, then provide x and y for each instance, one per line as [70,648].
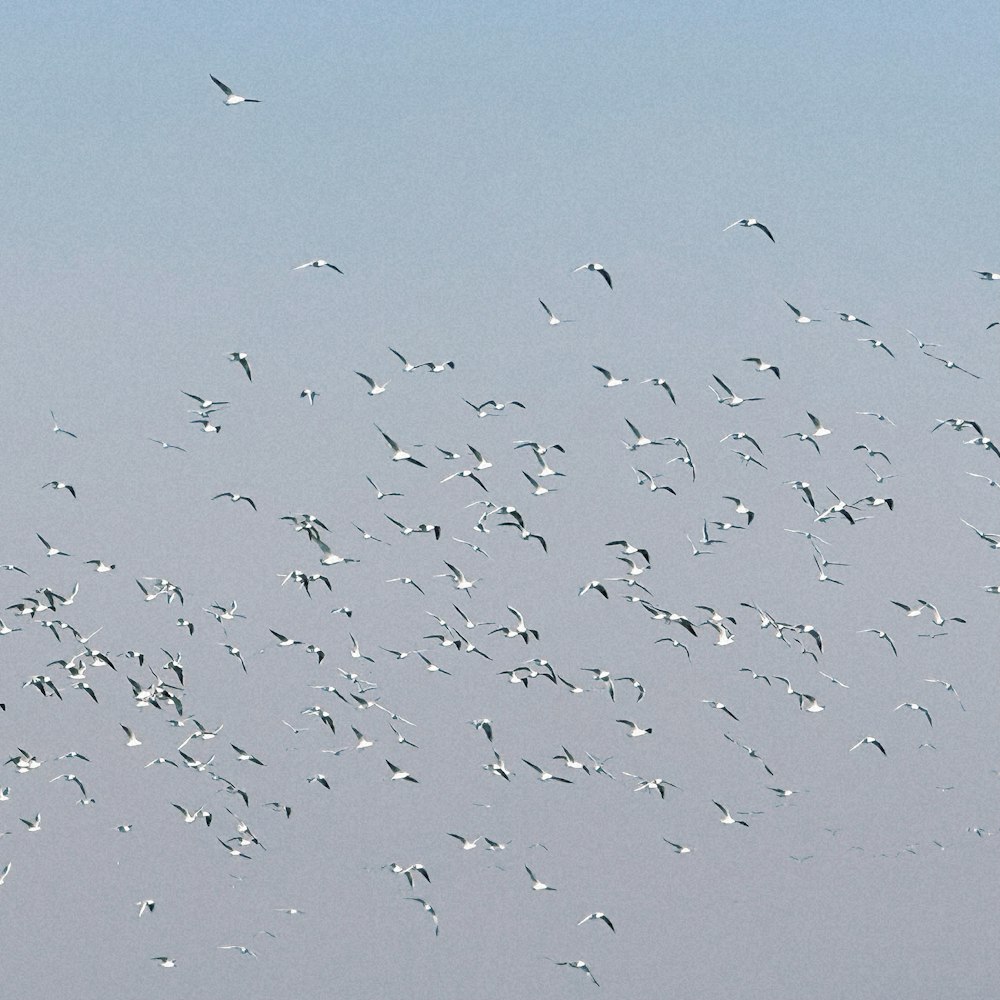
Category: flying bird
[232,98]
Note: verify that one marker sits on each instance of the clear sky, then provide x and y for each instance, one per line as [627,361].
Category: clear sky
[456,162]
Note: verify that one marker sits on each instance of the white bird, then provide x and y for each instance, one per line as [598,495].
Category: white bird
[244,361]
[916,708]
[751,223]
[318,262]
[597,915]
[599,268]
[634,730]
[730,398]
[582,966]
[537,885]
[850,318]
[373,387]
[727,819]
[554,320]
[429,909]
[799,318]
[610,380]
[398,774]
[232,98]
[873,741]
[398,455]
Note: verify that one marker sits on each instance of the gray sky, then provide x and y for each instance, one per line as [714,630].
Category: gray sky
[457,162]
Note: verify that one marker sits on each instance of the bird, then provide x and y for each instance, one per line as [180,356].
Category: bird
[536,884]
[165,961]
[60,430]
[730,398]
[232,98]
[799,317]
[881,635]
[988,275]
[374,389]
[430,910]
[751,224]
[678,848]
[58,485]
[764,366]
[554,320]
[398,455]
[727,819]
[916,708]
[850,318]
[235,497]
[873,741]
[398,774]
[610,380]
[318,262]
[582,966]
[243,360]
[597,915]
[634,730]
[599,268]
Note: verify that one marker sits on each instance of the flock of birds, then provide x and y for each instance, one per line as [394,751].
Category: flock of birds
[362,713]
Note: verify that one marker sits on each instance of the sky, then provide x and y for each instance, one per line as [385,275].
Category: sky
[458,163]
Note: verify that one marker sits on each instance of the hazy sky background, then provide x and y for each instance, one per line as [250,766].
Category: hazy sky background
[457,161]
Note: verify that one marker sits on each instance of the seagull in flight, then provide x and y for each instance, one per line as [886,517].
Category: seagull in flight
[318,262]
[398,455]
[243,359]
[849,318]
[554,320]
[799,317]
[906,704]
[599,268]
[751,224]
[232,98]
[873,741]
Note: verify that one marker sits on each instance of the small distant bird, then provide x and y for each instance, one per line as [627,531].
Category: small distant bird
[232,98]
[554,320]
[799,317]
[536,884]
[58,485]
[873,741]
[751,223]
[235,497]
[597,915]
[849,318]
[398,774]
[599,268]
[318,263]
[243,360]
[309,394]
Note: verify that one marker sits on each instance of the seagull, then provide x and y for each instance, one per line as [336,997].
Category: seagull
[536,884]
[59,430]
[678,848]
[146,905]
[241,948]
[429,909]
[467,845]
[597,915]
[764,366]
[318,262]
[948,686]
[881,635]
[398,774]
[232,98]
[309,394]
[849,318]
[243,360]
[164,960]
[720,707]
[544,775]
[599,268]
[911,705]
[873,741]
[582,966]
[634,730]
[727,819]
[988,275]
[235,497]
[662,383]
[611,380]
[952,364]
[52,550]
[373,387]
[398,455]
[58,485]
[876,344]
[799,318]
[751,224]
[554,320]
[730,398]
[166,444]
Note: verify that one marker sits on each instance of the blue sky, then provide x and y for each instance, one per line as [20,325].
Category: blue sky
[457,162]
